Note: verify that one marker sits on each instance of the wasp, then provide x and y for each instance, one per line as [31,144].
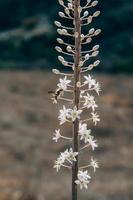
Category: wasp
[56,94]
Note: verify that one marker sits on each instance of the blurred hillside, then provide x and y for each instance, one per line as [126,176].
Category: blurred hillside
[27,34]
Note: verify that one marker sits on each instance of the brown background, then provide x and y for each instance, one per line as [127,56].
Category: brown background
[27,121]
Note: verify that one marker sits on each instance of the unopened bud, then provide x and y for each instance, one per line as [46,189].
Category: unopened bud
[69,48]
[86,13]
[78,84]
[95,47]
[58,49]
[70,6]
[59,40]
[57,23]
[91,31]
[89,40]
[96,14]
[81,63]
[95,53]
[61,2]
[90,67]
[60,58]
[61,14]
[89,20]
[94,3]
[55,71]
[87,56]
[96,63]
[98,31]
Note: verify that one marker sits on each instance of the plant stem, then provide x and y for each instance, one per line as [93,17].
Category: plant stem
[76,94]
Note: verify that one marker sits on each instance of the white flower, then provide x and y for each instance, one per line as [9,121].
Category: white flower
[67,155]
[82,127]
[90,102]
[64,155]
[83,179]
[57,135]
[75,114]
[63,83]
[94,164]
[57,165]
[64,113]
[95,118]
[97,88]
[92,143]
[84,133]
[89,81]
[72,155]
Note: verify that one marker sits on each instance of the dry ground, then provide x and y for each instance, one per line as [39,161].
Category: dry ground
[27,120]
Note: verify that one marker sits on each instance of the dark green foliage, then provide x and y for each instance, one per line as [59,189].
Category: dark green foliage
[37,51]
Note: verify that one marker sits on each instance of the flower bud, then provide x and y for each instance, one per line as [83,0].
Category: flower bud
[96,47]
[57,23]
[96,63]
[61,14]
[87,56]
[94,3]
[55,71]
[61,2]
[81,63]
[59,31]
[70,6]
[89,20]
[96,14]
[60,41]
[95,53]
[91,31]
[58,49]
[86,13]
[82,36]
[78,84]
[60,58]
[69,48]
[64,31]
[67,11]
[90,67]
[89,40]
[98,31]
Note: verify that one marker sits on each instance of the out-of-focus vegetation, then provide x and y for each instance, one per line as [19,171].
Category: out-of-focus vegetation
[28,37]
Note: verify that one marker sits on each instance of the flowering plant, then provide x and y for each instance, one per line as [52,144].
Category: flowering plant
[79,87]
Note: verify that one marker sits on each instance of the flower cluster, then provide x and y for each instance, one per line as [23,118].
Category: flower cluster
[69,114]
[83,179]
[78,89]
[63,83]
[85,135]
[67,156]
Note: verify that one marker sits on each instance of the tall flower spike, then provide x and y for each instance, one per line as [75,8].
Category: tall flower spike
[75,89]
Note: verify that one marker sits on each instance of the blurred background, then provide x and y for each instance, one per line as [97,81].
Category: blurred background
[28,117]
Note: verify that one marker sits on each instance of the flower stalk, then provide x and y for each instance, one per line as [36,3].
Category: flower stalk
[75,89]
[76,95]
